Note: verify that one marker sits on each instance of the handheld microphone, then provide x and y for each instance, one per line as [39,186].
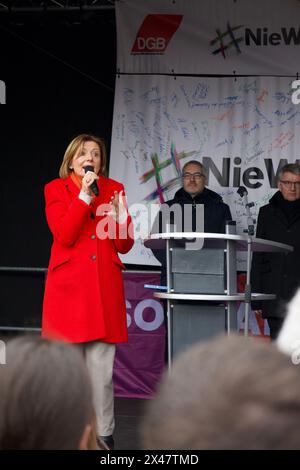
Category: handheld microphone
[94,186]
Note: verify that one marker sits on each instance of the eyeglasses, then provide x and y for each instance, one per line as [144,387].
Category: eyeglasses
[189,176]
[290,184]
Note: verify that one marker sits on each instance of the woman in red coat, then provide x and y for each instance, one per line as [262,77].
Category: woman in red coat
[84,296]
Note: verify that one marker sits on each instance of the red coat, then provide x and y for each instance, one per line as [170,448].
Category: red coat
[84,294]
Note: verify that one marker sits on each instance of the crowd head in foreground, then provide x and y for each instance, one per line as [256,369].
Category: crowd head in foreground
[45,397]
[230,393]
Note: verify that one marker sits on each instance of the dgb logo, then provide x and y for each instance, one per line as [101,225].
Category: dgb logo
[151,44]
[155,33]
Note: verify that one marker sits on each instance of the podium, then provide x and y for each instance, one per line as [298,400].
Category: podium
[201,296]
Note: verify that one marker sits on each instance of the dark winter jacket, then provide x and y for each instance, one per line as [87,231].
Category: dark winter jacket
[216,213]
[277,273]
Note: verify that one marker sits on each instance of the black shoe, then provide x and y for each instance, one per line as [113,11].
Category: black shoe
[106,442]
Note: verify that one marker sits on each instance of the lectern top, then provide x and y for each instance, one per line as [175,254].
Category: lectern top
[217,240]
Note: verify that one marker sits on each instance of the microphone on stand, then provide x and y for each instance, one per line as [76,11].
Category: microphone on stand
[94,186]
[242,191]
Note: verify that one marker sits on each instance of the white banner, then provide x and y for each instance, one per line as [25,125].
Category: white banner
[208,37]
[241,129]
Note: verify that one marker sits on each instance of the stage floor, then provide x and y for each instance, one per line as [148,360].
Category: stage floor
[128,414]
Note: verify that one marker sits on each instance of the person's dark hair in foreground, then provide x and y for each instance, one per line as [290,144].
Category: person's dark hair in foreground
[45,397]
[230,393]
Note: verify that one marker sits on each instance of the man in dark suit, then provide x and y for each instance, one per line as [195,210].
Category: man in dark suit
[278,273]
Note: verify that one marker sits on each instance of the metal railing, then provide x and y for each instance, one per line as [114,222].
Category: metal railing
[25,269]
[21,269]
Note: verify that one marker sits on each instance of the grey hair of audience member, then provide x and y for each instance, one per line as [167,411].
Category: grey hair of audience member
[45,396]
[289,168]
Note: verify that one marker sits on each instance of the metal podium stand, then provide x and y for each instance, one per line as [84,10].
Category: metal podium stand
[202,283]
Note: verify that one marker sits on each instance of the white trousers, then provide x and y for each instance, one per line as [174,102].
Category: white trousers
[99,359]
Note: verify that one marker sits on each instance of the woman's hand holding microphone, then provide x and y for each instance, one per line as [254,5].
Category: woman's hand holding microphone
[89,178]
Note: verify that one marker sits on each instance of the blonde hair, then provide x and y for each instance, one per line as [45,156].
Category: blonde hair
[76,145]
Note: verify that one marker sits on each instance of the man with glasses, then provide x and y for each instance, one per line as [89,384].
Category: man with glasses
[276,272]
[193,192]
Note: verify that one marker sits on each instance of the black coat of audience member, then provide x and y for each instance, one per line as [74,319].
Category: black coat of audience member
[277,273]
